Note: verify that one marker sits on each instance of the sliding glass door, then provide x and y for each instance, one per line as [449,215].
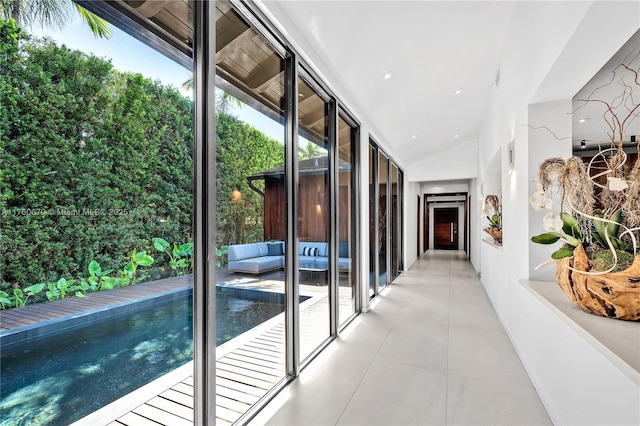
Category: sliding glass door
[313,218]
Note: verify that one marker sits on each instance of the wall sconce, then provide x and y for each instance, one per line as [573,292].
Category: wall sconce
[512,154]
[236,195]
[583,144]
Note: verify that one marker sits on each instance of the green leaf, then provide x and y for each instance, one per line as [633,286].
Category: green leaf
[94,268]
[99,26]
[546,238]
[33,289]
[145,260]
[568,238]
[160,244]
[562,253]
[570,225]
[79,294]
[611,228]
[186,248]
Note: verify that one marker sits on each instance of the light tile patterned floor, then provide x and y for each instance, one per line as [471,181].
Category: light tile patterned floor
[431,351]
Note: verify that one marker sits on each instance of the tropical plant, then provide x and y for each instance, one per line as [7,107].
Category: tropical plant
[309,151]
[599,200]
[493,212]
[53,14]
[19,297]
[180,256]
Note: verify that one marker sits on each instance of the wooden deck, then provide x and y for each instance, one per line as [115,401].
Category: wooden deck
[247,366]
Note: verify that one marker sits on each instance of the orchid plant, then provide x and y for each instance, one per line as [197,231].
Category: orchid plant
[600,199]
[492,210]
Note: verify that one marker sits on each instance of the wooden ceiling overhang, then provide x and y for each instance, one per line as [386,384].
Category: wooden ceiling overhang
[249,66]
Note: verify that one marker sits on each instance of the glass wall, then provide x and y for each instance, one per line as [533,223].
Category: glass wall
[373,228]
[346,207]
[313,219]
[383,219]
[100,194]
[250,214]
[394,222]
[97,184]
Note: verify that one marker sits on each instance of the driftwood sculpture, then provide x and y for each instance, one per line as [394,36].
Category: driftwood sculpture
[613,295]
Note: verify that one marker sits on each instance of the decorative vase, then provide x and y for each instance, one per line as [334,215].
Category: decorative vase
[495,233]
[612,295]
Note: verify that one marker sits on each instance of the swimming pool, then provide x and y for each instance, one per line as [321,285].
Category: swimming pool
[59,378]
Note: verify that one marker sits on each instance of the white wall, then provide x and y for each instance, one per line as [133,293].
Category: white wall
[548,48]
[551,50]
[411,192]
[458,162]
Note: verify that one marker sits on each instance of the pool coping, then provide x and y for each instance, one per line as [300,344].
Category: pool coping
[108,310]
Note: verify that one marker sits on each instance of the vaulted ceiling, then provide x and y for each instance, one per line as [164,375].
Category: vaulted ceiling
[422,72]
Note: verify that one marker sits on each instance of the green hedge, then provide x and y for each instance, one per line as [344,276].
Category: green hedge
[94,162]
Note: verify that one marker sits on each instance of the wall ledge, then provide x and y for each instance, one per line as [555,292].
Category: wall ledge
[618,341]
[492,243]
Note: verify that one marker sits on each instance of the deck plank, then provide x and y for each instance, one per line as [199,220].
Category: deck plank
[161,416]
[179,397]
[172,407]
[133,419]
[236,394]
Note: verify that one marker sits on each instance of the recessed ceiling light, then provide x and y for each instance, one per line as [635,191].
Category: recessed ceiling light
[387,76]
[458,91]
[413,136]
[456,136]
[583,120]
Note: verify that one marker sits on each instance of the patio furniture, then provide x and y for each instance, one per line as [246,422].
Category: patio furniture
[257,258]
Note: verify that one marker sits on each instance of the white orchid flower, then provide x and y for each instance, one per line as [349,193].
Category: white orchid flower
[552,222]
[617,184]
[539,200]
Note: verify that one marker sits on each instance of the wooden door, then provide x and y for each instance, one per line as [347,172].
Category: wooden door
[446,228]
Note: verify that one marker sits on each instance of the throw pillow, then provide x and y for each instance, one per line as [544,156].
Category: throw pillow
[274,249]
[343,250]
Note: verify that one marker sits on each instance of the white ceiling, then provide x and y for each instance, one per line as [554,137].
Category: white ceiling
[433,48]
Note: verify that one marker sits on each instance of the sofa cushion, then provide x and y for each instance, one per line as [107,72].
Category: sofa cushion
[256,264]
[344,264]
[275,249]
[264,250]
[244,251]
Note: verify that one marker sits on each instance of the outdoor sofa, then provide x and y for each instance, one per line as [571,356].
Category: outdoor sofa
[256,258]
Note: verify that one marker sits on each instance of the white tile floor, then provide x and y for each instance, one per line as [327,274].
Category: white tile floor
[431,351]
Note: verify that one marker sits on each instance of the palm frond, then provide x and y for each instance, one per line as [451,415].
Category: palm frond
[99,26]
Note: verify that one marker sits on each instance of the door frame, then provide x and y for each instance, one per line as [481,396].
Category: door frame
[452,216]
[427,219]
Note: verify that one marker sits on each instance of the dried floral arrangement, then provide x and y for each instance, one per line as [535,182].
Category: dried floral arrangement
[492,210]
[598,220]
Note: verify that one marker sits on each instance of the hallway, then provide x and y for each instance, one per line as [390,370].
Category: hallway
[431,351]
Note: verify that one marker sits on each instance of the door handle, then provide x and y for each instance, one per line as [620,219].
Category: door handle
[451,231]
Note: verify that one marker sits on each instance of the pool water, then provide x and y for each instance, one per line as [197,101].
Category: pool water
[58,379]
